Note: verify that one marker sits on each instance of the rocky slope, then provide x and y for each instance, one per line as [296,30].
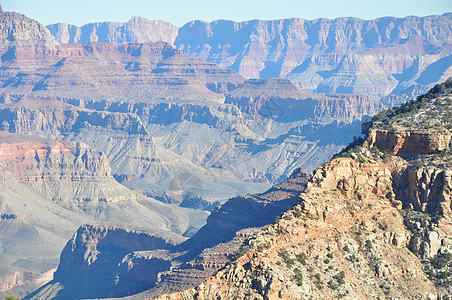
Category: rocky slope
[394,57]
[372,223]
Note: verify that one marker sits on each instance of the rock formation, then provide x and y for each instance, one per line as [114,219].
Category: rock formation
[18,30]
[82,117]
[392,57]
[103,261]
[152,118]
[372,223]
[159,99]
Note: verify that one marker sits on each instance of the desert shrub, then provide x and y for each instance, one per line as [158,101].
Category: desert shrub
[286,258]
[333,285]
[302,258]
[298,277]
[368,245]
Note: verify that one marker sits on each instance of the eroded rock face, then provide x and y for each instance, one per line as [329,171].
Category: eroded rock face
[286,101]
[50,117]
[346,215]
[103,261]
[344,55]
[61,170]
[408,143]
[427,189]
[155,71]
[17,30]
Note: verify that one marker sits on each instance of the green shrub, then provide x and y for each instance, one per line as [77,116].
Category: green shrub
[368,245]
[286,258]
[298,277]
[302,258]
[333,285]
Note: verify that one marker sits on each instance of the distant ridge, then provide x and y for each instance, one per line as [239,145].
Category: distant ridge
[136,30]
[390,57]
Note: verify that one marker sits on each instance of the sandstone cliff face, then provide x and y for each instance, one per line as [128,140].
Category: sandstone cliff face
[408,143]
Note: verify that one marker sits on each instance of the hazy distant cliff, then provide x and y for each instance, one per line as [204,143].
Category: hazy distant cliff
[398,56]
[136,30]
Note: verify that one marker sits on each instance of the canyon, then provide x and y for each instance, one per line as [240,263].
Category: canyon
[372,222]
[142,160]
[123,134]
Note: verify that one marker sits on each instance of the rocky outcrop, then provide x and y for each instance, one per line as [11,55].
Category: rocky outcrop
[427,189]
[345,216]
[106,261]
[408,143]
[18,30]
